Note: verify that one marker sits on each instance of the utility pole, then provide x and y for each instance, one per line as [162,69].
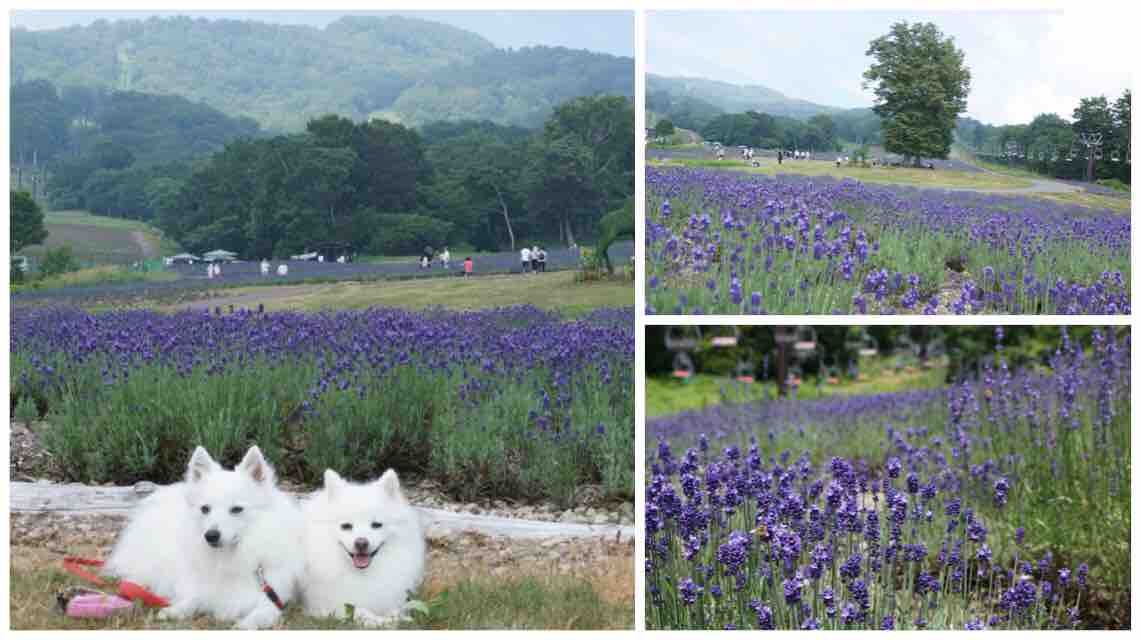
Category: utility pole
[1092,141]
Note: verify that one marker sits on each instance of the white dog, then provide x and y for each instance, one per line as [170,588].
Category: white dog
[212,543]
[364,547]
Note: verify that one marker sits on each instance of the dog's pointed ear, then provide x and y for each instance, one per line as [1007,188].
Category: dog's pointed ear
[333,482]
[201,464]
[255,466]
[390,484]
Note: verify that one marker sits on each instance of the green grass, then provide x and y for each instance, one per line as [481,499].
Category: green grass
[557,290]
[666,396]
[488,603]
[878,175]
[101,240]
[525,604]
[93,276]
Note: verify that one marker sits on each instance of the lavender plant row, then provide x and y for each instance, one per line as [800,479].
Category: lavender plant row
[720,242]
[972,509]
[514,401]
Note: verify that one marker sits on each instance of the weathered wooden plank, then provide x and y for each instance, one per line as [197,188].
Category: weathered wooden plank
[47,497]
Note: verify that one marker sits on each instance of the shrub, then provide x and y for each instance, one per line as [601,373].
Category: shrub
[58,261]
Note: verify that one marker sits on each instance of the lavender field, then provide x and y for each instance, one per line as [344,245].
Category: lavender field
[513,402]
[996,503]
[721,242]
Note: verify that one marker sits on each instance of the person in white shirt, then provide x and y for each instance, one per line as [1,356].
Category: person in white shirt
[525,258]
[446,257]
[282,269]
[265,267]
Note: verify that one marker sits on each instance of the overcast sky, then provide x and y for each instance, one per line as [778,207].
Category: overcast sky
[605,31]
[1022,64]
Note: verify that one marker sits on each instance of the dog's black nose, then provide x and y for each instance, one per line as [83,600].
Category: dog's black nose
[213,537]
[361,544]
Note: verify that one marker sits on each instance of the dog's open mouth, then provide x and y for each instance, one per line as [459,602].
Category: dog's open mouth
[362,559]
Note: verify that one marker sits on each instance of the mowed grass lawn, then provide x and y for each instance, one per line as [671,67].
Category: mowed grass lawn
[557,290]
[879,175]
[100,240]
[666,396]
[467,602]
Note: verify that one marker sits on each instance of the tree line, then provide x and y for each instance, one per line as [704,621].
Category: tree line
[210,181]
[768,131]
[1050,144]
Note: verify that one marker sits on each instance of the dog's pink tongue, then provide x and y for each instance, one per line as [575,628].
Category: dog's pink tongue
[361,560]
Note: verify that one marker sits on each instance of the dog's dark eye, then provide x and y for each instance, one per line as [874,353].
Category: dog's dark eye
[346,527]
[377,525]
[205,509]
[235,510]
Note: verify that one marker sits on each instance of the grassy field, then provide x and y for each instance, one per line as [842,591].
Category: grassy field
[91,276]
[879,175]
[469,602]
[99,240]
[1081,198]
[557,290]
[665,396]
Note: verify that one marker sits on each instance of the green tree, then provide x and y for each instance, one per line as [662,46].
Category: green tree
[664,128]
[921,85]
[584,161]
[25,221]
[827,128]
[58,261]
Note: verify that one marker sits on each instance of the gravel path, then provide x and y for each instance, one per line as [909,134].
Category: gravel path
[140,239]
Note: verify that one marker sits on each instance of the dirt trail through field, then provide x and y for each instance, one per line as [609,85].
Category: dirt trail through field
[1036,186]
[144,245]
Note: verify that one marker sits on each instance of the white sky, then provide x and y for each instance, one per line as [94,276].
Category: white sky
[1022,63]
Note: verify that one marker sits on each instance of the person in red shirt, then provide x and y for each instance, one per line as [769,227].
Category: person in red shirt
[468,266]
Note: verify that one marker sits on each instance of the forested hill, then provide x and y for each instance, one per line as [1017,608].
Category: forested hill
[733,98]
[410,70]
[513,87]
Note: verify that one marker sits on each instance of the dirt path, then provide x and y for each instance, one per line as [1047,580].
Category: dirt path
[1037,185]
[146,247]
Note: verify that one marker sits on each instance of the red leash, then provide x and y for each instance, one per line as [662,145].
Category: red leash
[132,591]
[127,589]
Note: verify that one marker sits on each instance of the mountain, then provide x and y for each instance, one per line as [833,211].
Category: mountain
[406,69]
[512,87]
[733,98]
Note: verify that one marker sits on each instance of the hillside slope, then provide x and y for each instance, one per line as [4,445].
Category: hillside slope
[733,98]
[407,69]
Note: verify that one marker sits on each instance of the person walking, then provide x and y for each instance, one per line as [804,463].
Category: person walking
[525,258]
[543,259]
[535,259]
[446,258]
[468,266]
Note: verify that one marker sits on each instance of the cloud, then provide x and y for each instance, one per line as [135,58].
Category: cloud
[1022,63]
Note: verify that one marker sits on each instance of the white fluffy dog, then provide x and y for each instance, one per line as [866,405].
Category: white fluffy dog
[208,543]
[364,547]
